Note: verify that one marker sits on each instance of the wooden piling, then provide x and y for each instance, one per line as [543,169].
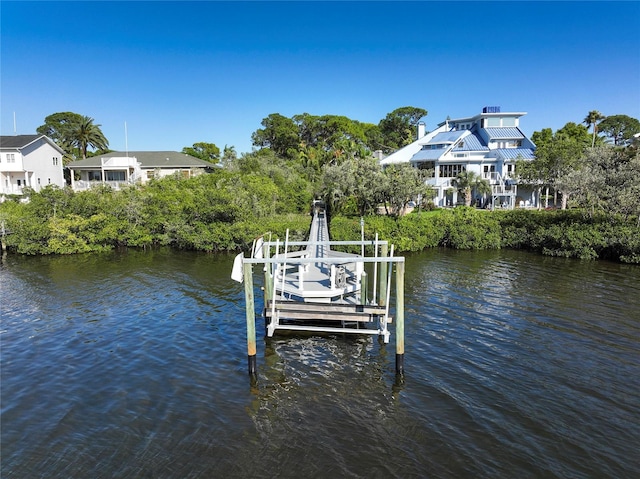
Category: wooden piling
[363,288]
[384,252]
[268,279]
[400,317]
[251,317]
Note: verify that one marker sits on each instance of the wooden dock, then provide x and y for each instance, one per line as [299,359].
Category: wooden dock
[316,288]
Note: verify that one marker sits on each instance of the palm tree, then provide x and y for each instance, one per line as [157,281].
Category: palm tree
[467,181]
[592,119]
[86,134]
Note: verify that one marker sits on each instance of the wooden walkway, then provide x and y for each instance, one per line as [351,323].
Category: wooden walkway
[318,281]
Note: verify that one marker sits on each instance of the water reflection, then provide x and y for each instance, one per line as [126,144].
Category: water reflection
[133,364]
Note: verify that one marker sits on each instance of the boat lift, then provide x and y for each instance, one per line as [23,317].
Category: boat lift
[318,289]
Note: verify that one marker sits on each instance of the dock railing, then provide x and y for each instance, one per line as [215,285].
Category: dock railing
[276,266]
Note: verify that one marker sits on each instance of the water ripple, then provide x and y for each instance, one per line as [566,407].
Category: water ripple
[133,364]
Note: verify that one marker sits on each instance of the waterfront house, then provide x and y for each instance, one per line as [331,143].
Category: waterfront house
[33,161]
[488,144]
[125,168]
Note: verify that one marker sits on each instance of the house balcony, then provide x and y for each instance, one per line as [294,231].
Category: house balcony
[504,190]
[439,182]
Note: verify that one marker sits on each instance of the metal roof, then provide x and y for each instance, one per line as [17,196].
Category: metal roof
[428,154]
[447,137]
[472,142]
[515,153]
[504,133]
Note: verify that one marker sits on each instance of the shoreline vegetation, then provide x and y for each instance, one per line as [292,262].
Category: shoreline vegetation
[333,158]
[222,213]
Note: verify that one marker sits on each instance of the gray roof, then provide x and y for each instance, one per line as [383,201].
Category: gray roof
[18,141]
[148,160]
[504,133]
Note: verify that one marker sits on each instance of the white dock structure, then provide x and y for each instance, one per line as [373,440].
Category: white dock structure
[308,286]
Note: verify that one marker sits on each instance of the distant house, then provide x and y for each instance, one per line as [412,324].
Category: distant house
[33,161]
[488,144]
[119,168]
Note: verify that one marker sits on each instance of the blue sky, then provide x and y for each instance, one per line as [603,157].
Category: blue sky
[183,72]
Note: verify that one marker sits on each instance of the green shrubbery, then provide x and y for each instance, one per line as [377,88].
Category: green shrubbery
[459,228]
[225,212]
[555,233]
[217,212]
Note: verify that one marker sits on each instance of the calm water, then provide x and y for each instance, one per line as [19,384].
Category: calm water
[133,364]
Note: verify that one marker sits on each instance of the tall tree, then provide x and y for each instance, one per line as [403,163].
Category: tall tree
[59,127]
[356,178]
[205,151]
[87,134]
[403,184]
[556,155]
[620,128]
[74,133]
[399,128]
[280,134]
[229,155]
[468,181]
[591,120]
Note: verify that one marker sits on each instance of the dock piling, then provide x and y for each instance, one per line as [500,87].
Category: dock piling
[384,251]
[323,285]
[400,318]
[251,317]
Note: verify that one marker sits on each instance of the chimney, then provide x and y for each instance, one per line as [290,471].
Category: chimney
[421,129]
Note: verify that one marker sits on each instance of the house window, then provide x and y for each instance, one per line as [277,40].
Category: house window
[55,161]
[115,175]
[450,171]
[11,158]
[488,172]
[38,181]
[94,175]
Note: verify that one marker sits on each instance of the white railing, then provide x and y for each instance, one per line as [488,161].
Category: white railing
[439,182]
[81,185]
[12,190]
[503,189]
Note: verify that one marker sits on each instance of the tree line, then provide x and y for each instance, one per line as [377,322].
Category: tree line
[574,168]
[301,158]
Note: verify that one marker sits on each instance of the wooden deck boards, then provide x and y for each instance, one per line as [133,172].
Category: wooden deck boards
[325,311]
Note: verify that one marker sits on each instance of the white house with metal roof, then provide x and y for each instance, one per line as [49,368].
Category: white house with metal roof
[125,168]
[488,144]
[33,161]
